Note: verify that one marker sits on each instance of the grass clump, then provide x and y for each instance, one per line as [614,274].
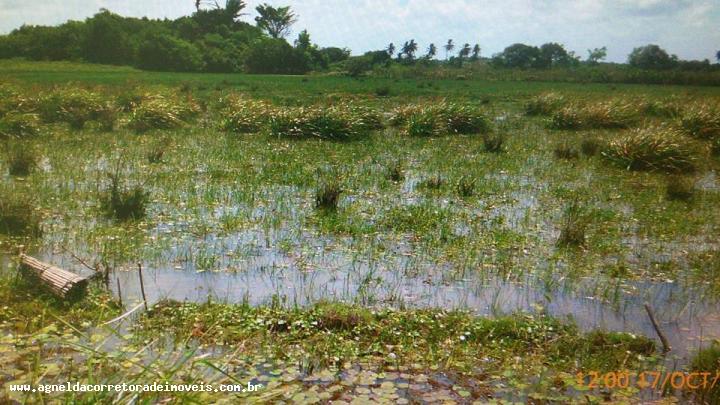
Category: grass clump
[18,216]
[382,91]
[565,152]
[247,116]
[590,147]
[544,104]
[460,119]
[432,120]
[327,196]
[315,122]
[707,360]
[466,187]
[701,121]
[432,183]
[18,125]
[422,124]
[160,112]
[680,188]
[493,143]
[20,160]
[611,114]
[395,171]
[574,226]
[653,148]
[73,105]
[124,204]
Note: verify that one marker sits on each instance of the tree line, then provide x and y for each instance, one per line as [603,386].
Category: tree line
[214,39]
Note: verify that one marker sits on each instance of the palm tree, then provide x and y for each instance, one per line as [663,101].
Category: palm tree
[448,48]
[464,52]
[276,21]
[717,56]
[409,49]
[431,51]
[391,49]
[476,52]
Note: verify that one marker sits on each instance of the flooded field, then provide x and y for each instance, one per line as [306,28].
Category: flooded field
[234,213]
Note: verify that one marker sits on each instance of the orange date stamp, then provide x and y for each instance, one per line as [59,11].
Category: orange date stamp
[657,380]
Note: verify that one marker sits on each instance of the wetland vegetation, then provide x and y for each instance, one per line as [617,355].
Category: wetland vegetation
[439,240]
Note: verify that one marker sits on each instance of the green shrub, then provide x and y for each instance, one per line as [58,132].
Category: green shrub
[653,148]
[544,104]
[18,216]
[17,125]
[382,91]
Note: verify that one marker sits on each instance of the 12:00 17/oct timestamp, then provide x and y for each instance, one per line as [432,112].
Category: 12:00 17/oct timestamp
[696,380]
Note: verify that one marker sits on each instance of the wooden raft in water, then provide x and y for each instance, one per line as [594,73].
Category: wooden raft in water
[61,282]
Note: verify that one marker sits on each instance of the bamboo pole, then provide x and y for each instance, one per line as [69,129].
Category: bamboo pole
[61,282]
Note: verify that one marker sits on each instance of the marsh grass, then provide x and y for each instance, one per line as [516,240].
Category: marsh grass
[432,183]
[704,360]
[18,216]
[465,186]
[161,112]
[680,188]
[122,203]
[493,143]
[72,105]
[422,124]
[653,148]
[701,121]
[566,152]
[19,125]
[612,114]
[425,120]
[574,226]
[545,104]
[21,160]
[590,146]
[246,116]
[327,196]
[317,122]
[394,171]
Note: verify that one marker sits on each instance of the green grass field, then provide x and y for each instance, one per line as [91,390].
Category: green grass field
[487,243]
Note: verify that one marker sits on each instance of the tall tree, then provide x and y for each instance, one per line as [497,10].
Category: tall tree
[431,51]
[464,51]
[596,55]
[449,48]
[303,40]
[391,49]
[275,21]
[476,52]
[409,49]
[717,56]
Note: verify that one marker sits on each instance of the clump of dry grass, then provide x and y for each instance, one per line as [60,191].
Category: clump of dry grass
[327,196]
[653,148]
[316,122]
[609,114]
[19,125]
[545,104]
[72,105]
[21,160]
[680,188]
[246,116]
[161,112]
[701,121]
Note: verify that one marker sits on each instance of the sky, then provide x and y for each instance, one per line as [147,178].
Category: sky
[687,28]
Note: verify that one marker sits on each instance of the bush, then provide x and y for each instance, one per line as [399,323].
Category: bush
[382,91]
[466,187]
[21,160]
[544,104]
[163,52]
[17,214]
[653,148]
[701,121]
[16,125]
[124,204]
[395,171]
